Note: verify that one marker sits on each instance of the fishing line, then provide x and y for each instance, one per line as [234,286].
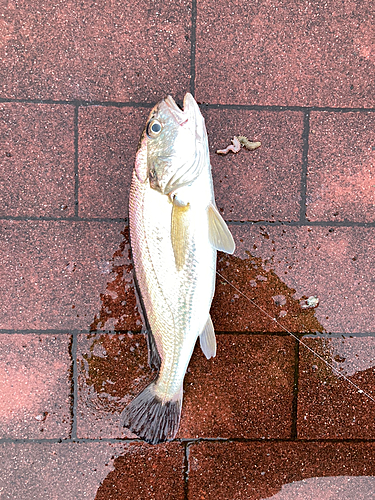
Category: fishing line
[361,391]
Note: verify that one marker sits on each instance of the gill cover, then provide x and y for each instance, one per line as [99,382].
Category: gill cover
[140,165]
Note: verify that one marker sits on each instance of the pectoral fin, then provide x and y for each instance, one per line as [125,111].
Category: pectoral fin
[208,340]
[218,232]
[180,233]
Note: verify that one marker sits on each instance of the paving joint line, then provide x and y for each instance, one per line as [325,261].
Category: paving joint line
[5,331]
[79,103]
[305,152]
[193,40]
[189,441]
[74,386]
[125,220]
[76,165]
[295,391]
[26,218]
[144,104]
[280,333]
[186,469]
[271,107]
[298,223]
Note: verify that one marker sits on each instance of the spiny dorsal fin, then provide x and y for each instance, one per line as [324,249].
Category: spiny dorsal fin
[208,340]
[218,232]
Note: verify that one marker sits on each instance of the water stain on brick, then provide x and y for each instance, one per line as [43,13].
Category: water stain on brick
[115,367]
[255,471]
[231,311]
[322,372]
[254,277]
[329,406]
[119,310]
[145,471]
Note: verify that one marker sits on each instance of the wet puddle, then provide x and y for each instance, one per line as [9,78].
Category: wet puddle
[113,368]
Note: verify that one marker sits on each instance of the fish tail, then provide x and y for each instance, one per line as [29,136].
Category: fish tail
[151,418]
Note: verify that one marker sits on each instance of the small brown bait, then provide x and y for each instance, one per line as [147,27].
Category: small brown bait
[248,144]
[237,142]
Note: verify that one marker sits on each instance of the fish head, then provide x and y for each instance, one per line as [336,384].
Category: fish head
[173,149]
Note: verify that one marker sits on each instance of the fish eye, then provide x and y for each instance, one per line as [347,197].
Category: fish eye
[153,128]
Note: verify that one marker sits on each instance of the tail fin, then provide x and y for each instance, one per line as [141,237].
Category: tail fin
[150,418]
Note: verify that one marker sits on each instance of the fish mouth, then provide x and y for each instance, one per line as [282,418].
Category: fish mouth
[189,116]
[178,114]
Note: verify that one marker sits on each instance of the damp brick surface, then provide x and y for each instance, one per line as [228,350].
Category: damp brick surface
[285,409]
[245,392]
[76,471]
[281,471]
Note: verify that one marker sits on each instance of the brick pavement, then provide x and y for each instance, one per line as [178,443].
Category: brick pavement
[266,418]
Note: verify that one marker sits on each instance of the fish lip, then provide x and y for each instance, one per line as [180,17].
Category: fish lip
[190,116]
[177,113]
[182,116]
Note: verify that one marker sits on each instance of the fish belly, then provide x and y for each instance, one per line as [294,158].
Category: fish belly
[177,300]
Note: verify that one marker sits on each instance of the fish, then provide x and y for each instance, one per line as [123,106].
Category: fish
[175,233]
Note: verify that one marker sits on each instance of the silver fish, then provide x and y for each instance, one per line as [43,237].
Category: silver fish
[175,231]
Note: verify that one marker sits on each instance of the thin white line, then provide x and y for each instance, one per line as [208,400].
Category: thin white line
[361,391]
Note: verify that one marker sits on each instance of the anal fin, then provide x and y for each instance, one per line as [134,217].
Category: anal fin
[208,340]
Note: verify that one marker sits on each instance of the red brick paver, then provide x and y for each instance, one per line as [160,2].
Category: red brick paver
[112,370]
[113,51]
[107,141]
[286,53]
[254,471]
[144,471]
[91,470]
[36,160]
[329,407]
[330,263]
[267,418]
[262,184]
[245,392]
[55,272]
[341,182]
[35,393]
